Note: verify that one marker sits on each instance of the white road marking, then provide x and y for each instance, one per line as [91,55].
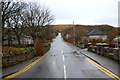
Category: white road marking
[63,58]
[65,75]
[54,63]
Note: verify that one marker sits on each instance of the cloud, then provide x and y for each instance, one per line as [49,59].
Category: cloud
[83,11]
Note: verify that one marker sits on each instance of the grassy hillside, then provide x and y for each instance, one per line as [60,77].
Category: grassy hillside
[81,30]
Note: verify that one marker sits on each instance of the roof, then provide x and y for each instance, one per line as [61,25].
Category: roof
[96,32]
[116,38]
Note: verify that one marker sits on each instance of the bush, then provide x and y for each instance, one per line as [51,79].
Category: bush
[9,49]
[21,48]
[46,44]
[39,47]
[18,45]
[30,45]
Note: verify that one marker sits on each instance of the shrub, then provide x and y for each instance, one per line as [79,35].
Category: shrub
[67,40]
[21,48]
[30,45]
[39,47]
[9,49]
[46,44]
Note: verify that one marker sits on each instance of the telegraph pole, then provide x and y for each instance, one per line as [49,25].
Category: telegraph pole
[74,31]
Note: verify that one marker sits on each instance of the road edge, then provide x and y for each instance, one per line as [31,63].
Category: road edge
[32,63]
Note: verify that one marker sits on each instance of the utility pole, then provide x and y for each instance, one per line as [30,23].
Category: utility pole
[74,31]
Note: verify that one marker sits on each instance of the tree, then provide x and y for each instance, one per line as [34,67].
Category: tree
[9,9]
[16,16]
[19,23]
[37,17]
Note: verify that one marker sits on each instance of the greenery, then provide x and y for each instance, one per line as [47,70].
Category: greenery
[46,44]
[21,49]
[117,36]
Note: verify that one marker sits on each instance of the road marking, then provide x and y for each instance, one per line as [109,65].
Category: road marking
[112,75]
[63,58]
[25,69]
[64,67]
[65,75]
[104,69]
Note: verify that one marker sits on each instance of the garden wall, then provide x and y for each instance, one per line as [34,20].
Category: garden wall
[112,53]
[14,57]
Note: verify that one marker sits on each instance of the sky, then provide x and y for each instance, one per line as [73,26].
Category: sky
[85,12]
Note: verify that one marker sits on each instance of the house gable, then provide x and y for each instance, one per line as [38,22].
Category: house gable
[96,34]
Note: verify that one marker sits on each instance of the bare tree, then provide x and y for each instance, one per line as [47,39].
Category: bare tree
[18,15]
[37,16]
[8,10]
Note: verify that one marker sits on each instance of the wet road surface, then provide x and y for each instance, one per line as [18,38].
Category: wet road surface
[62,61]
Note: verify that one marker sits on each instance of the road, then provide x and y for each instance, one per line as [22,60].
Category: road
[63,61]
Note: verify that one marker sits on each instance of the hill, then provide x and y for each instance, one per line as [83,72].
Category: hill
[81,30]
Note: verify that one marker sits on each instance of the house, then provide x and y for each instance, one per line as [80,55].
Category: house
[117,42]
[68,36]
[96,34]
[27,40]
[24,40]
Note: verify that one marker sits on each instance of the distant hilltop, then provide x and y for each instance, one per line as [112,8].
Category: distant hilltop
[65,26]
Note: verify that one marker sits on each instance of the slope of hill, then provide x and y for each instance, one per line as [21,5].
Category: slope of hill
[61,27]
[81,30]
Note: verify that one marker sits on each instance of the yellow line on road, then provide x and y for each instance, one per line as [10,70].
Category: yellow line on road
[23,70]
[112,75]
[107,70]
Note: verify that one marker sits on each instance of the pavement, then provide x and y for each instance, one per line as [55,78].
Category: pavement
[17,67]
[64,61]
[106,62]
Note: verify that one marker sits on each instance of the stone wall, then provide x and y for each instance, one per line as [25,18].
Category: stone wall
[112,53]
[14,57]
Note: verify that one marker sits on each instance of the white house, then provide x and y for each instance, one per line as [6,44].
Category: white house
[27,40]
[24,40]
[68,36]
[96,34]
[117,39]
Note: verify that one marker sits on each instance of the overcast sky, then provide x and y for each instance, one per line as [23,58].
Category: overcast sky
[86,12]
